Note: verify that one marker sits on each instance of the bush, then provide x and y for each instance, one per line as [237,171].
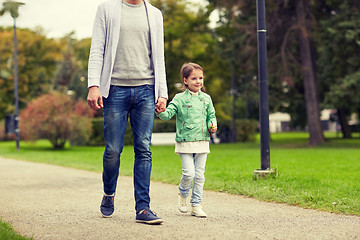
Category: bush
[2,130]
[97,133]
[164,126]
[245,130]
[58,118]
[5,136]
[97,136]
[128,135]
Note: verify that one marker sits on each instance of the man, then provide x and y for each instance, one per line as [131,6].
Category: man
[126,77]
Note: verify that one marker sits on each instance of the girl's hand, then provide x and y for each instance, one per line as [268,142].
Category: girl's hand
[213,128]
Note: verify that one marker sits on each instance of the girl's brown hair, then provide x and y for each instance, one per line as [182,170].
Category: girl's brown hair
[187,69]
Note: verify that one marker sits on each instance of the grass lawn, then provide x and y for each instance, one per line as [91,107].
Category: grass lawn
[326,177]
[8,233]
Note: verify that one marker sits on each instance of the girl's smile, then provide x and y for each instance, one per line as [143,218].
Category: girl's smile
[195,80]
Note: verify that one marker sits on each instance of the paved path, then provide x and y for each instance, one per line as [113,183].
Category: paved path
[51,202]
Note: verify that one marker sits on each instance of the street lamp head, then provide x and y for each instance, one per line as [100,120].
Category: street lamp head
[12,7]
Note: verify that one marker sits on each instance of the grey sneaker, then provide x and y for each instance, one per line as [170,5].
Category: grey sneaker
[107,206]
[198,212]
[147,216]
[182,204]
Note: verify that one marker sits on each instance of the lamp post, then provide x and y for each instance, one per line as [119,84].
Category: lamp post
[16,80]
[264,91]
[13,8]
[233,93]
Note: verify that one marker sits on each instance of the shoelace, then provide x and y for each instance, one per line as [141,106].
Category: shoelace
[183,202]
[148,211]
[108,200]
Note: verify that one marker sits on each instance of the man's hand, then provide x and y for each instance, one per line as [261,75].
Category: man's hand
[160,105]
[94,98]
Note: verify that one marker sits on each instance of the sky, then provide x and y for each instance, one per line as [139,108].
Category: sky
[56,17]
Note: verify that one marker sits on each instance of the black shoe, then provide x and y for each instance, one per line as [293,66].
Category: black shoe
[147,216]
[107,206]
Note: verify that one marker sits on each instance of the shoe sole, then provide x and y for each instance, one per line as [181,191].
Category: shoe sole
[199,216]
[106,216]
[152,222]
[182,211]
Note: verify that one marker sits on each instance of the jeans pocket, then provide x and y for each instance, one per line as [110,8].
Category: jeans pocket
[150,87]
[112,88]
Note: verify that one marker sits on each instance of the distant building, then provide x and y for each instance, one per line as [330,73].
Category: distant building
[280,122]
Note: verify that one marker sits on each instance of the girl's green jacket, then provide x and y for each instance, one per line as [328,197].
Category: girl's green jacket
[194,116]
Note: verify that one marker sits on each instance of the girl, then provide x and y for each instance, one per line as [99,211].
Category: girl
[195,121]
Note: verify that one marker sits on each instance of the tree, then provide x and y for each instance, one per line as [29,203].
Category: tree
[304,21]
[290,42]
[78,84]
[236,44]
[58,118]
[339,56]
[67,67]
[37,58]
[235,33]
[188,38]
[71,72]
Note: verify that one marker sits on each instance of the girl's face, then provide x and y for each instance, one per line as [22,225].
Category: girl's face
[195,80]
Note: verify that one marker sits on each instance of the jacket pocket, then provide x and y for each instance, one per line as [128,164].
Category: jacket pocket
[182,128]
[189,126]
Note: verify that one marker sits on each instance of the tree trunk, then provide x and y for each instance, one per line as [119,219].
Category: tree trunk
[345,129]
[309,78]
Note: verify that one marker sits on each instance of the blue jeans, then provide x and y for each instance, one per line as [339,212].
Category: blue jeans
[138,103]
[193,169]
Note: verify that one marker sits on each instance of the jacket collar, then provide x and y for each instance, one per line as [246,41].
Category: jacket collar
[188,95]
[187,92]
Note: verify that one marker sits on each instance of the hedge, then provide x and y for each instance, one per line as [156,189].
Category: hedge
[245,130]
[97,137]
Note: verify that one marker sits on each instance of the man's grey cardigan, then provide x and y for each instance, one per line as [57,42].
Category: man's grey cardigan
[104,43]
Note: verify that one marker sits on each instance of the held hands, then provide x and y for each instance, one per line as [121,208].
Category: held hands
[160,105]
[94,98]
